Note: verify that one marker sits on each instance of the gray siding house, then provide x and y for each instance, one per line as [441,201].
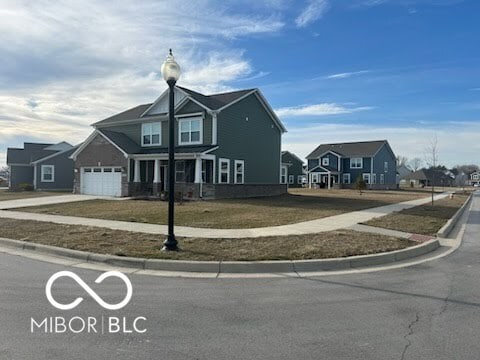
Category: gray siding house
[226,145]
[291,172]
[41,166]
[339,165]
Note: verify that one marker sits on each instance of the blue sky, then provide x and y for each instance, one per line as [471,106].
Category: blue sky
[402,70]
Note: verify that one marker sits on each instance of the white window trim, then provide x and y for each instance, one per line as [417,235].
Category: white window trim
[291,179]
[151,134]
[374,179]
[42,179]
[299,179]
[385,166]
[189,119]
[327,162]
[283,167]
[220,161]
[315,178]
[364,175]
[347,176]
[356,167]
[238,172]
[382,179]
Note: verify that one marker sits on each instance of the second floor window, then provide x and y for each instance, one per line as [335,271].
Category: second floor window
[151,134]
[190,131]
[356,163]
[325,161]
[385,166]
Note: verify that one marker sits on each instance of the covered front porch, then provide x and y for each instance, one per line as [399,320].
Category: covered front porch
[323,179]
[148,175]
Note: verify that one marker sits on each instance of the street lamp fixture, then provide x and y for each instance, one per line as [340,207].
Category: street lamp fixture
[171,73]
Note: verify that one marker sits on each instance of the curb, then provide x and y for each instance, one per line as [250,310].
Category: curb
[232,267]
[447,228]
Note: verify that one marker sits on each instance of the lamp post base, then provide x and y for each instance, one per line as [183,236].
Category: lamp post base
[170,244]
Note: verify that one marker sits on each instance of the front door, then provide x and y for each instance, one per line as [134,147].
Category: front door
[163,177]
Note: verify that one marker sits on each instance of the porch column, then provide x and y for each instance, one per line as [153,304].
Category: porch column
[309,180]
[198,170]
[329,179]
[156,171]
[136,174]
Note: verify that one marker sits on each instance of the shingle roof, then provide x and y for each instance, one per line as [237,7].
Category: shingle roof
[31,153]
[132,113]
[216,101]
[362,148]
[428,174]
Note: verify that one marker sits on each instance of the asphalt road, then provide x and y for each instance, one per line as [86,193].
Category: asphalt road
[428,311]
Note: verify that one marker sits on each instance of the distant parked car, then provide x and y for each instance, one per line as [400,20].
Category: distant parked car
[476,185]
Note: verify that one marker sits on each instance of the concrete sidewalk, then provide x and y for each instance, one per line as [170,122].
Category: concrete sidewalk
[49,200]
[308,227]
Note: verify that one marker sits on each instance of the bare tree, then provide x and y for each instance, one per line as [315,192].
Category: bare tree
[431,159]
[416,163]
[402,160]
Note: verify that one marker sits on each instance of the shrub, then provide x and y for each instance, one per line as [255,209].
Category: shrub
[360,184]
[26,187]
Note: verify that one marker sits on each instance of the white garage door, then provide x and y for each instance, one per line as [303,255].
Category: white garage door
[105,181]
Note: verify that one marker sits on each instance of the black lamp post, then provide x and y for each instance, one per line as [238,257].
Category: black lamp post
[171,73]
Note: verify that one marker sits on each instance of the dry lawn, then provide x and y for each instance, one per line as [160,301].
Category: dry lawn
[299,205]
[105,241]
[425,219]
[14,195]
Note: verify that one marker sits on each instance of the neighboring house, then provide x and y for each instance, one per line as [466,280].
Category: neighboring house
[429,177]
[402,172]
[461,179]
[226,145]
[339,165]
[292,172]
[475,178]
[41,166]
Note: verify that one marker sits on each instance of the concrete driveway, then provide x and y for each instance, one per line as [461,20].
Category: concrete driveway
[47,200]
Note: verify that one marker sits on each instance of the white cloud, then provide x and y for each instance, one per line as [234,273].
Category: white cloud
[347,74]
[322,109]
[405,141]
[312,12]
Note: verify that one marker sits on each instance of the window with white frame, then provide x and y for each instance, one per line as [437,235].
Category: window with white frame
[47,173]
[283,175]
[385,166]
[366,178]
[300,179]
[224,173]
[356,163]
[151,134]
[325,161]
[180,171]
[190,131]
[374,178]
[315,178]
[382,179]
[239,171]
[291,179]
[346,178]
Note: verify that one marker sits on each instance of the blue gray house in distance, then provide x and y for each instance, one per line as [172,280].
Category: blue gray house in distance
[41,166]
[227,145]
[339,165]
[292,172]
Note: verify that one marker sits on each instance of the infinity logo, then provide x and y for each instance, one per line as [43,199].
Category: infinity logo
[88,289]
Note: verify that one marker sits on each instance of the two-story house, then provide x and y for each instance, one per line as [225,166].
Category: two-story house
[339,165]
[226,145]
[475,178]
[291,172]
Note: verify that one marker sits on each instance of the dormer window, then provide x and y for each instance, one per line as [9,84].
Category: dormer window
[151,134]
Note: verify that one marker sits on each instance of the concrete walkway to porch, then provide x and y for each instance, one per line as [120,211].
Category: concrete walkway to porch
[307,227]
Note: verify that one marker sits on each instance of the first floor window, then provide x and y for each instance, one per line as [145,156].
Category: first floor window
[346,178]
[300,179]
[239,171]
[314,178]
[180,171]
[382,179]
[385,166]
[291,179]
[190,131]
[366,178]
[283,175]
[356,163]
[48,173]
[224,174]
[374,178]
[151,134]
